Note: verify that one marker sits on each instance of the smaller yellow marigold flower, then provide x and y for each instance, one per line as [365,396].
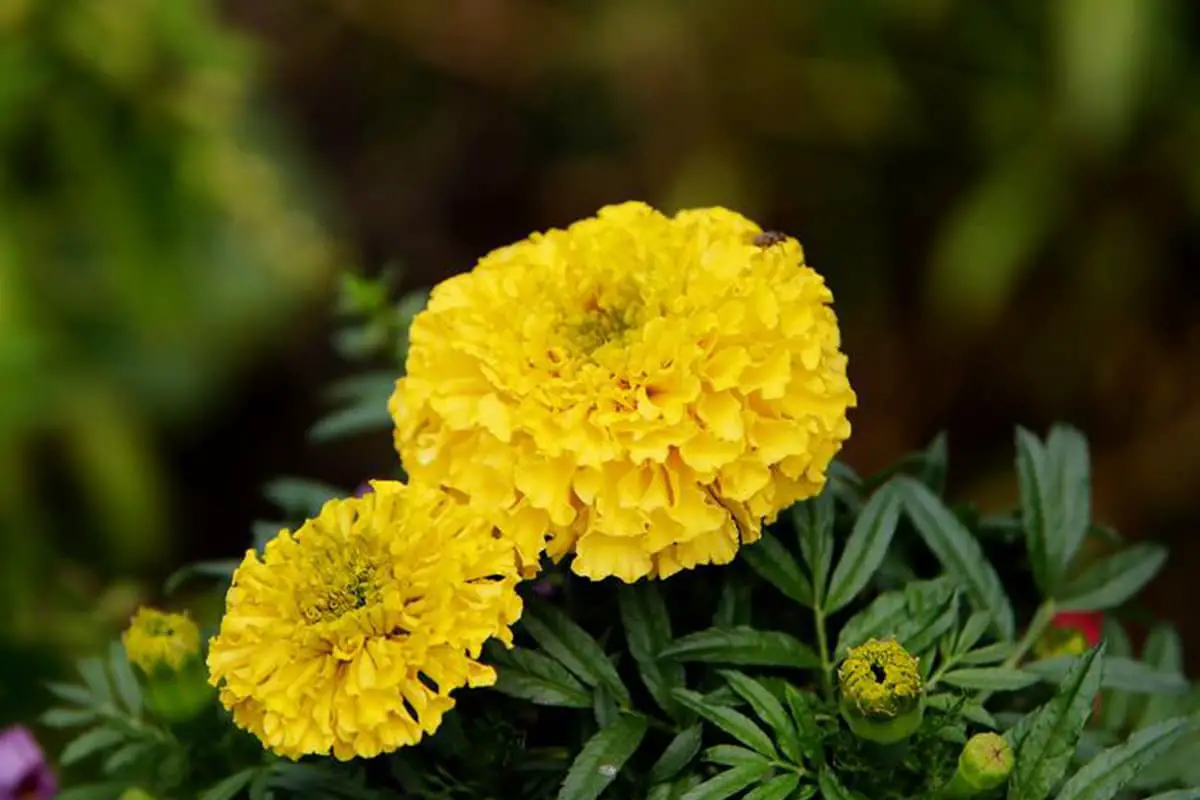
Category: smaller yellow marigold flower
[881,691]
[159,638]
[349,635]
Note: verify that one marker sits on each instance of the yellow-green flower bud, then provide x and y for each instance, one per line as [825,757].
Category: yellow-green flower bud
[881,691]
[166,648]
[983,765]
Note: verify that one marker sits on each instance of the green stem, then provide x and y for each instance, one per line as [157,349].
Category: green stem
[823,646]
[1037,626]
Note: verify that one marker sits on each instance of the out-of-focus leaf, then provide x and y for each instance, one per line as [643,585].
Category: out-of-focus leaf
[743,645]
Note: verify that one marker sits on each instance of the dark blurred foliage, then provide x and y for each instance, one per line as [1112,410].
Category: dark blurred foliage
[1004,197]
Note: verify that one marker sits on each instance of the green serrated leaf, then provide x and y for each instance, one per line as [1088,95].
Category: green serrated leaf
[1119,673]
[1068,456]
[67,717]
[736,724]
[865,549]
[604,707]
[647,630]
[733,606]
[563,639]
[1111,581]
[915,617]
[774,564]
[959,553]
[971,633]
[728,783]
[125,682]
[805,718]
[745,646]
[831,787]
[679,753]
[814,525]
[1045,740]
[1178,794]
[1108,773]
[89,742]
[780,787]
[964,708]
[229,788]
[602,758]
[1034,476]
[533,676]
[994,679]
[769,710]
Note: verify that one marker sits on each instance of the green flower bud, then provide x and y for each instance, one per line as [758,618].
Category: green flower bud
[983,765]
[881,691]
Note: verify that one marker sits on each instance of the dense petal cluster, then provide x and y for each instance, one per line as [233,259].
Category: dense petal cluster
[349,635]
[160,639]
[640,390]
[880,678]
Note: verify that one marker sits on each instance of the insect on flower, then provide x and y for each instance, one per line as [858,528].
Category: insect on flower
[769,239]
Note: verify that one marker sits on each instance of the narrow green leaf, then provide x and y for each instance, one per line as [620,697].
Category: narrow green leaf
[604,707]
[1178,794]
[602,758]
[959,553]
[832,788]
[126,755]
[733,606]
[679,753]
[1119,673]
[351,421]
[971,633]
[728,783]
[814,524]
[93,791]
[990,654]
[66,717]
[1033,477]
[804,716]
[533,676]
[743,645]
[126,683]
[769,710]
[865,549]
[72,693]
[915,617]
[772,561]
[1163,651]
[1114,704]
[89,742]
[993,679]
[221,570]
[574,648]
[1068,455]
[300,497]
[884,615]
[957,704]
[732,755]
[1045,740]
[736,724]
[1108,773]
[778,788]
[229,788]
[95,677]
[647,630]
[1111,581]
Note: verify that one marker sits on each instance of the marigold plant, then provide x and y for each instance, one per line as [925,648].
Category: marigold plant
[647,390]
[349,635]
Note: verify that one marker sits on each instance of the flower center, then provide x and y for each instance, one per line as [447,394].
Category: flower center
[344,580]
[879,672]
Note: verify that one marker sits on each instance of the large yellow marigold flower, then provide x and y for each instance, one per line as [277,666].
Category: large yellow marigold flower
[645,389]
[157,638]
[349,635]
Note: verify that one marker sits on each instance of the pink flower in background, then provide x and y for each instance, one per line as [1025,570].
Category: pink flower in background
[24,774]
[1087,623]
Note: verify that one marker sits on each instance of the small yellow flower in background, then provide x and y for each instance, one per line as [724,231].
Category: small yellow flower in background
[158,638]
[349,635]
[645,390]
[881,691]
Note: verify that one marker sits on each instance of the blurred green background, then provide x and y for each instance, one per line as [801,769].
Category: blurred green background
[1004,196]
